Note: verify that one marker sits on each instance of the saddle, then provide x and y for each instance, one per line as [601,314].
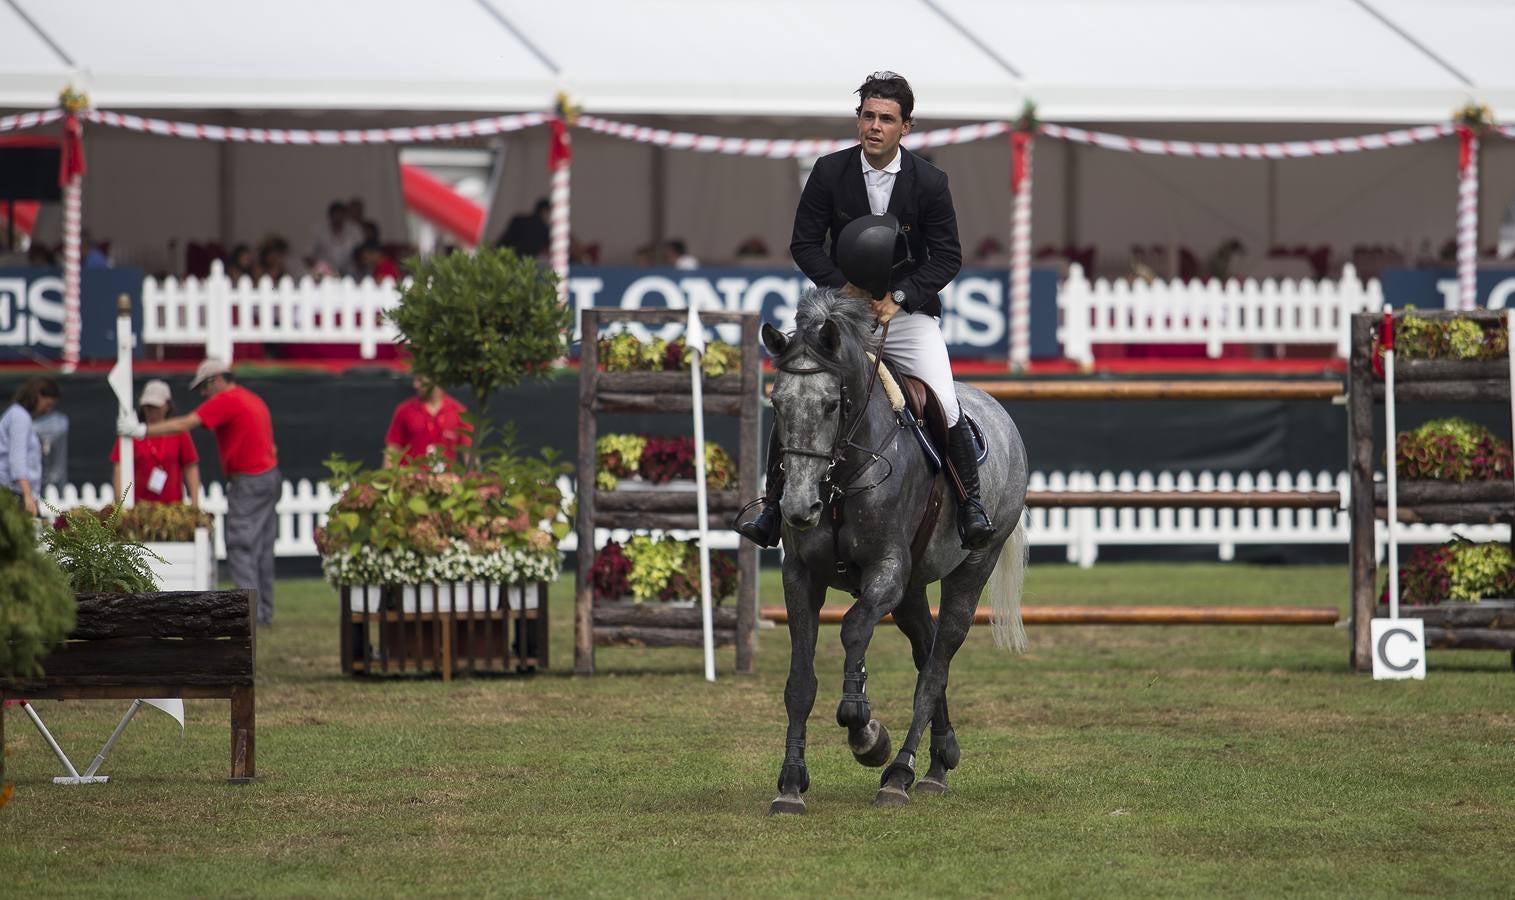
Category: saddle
[920,412]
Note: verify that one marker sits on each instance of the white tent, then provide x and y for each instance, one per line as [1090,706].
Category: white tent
[1225,70]
[1104,60]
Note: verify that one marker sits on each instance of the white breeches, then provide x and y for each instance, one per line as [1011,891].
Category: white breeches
[915,344]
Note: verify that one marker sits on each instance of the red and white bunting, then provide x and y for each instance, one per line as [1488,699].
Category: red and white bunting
[1282,150]
[23,121]
[778,148]
[1506,130]
[318,137]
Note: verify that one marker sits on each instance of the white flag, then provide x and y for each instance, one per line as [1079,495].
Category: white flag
[174,708]
[695,339]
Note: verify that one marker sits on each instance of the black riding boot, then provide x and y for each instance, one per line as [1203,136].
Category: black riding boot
[973,524]
[763,529]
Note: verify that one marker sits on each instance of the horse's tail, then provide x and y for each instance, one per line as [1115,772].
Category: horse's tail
[1005,585]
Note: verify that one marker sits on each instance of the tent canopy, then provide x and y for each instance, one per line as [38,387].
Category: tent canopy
[1081,60]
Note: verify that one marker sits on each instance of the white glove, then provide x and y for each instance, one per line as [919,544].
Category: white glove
[127,425]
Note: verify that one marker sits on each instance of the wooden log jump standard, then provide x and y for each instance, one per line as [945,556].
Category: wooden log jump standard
[193,645]
[1129,615]
[1161,390]
[736,394]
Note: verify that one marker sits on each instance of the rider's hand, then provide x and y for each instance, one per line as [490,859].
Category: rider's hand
[885,309]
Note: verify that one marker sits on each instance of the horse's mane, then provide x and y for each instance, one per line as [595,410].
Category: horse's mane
[854,319]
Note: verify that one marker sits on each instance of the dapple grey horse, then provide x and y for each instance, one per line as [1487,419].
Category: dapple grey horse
[843,447]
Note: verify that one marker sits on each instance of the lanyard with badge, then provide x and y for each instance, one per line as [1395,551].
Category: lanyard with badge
[157,477]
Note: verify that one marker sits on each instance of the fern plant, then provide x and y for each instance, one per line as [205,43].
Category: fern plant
[96,557]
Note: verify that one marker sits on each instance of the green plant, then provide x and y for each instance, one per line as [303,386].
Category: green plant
[151,522]
[409,523]
[485,319]
[662,568]
[36,601]
[96,557]
[622,352]
[1452,449]
[1457,338]
[619,456]
[1459,570]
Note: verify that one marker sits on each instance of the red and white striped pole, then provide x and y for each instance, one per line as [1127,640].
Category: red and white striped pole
[1467,217]
[71,178]
[560,162]
[1021,143]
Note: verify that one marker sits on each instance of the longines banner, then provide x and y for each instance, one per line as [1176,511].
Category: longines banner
[31,312]
[974,319]
[1437,288]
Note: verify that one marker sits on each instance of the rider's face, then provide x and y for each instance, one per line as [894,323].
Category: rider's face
[879,129]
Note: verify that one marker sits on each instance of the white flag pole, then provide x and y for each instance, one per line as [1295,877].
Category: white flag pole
[694,339]
[1392,474]
[120,380]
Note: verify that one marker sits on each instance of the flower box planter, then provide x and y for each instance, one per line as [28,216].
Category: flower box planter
[185,565]
[443,630]
[627,623]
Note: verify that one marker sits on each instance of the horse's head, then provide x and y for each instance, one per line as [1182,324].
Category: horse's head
[821,372]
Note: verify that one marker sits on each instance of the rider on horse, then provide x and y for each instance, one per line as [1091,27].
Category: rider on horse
[900,250]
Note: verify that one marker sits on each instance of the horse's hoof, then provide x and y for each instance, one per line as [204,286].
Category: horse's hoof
[889,795]
[787,805]
[874,748]
[930,785]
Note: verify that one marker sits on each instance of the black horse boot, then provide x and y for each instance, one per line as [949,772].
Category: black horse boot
[973,524]
[764,528]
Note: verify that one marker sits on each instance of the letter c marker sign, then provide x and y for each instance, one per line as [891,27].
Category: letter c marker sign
[1399,648]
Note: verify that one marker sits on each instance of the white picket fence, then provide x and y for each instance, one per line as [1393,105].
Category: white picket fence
[1211,313]
[216,312]
[1081,532]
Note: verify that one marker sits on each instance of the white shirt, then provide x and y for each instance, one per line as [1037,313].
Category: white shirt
[880,182]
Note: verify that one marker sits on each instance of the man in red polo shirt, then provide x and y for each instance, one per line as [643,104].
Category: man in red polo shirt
[431,420]
[245,439]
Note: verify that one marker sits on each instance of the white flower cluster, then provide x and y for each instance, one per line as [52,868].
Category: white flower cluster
[365,565]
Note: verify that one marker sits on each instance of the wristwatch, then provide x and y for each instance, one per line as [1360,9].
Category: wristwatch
[899,298]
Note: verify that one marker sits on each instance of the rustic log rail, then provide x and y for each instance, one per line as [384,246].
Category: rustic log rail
[734,394]
[1092,390]
[1130,615]
[1186,499]
[193,645]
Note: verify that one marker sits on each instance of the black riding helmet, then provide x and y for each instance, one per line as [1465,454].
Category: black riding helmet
[866,252]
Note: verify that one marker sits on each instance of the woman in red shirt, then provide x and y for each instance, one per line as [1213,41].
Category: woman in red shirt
[165,464]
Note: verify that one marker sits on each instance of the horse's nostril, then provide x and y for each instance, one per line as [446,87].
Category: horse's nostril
[815,508]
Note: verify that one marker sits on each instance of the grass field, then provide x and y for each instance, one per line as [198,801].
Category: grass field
[1106,761]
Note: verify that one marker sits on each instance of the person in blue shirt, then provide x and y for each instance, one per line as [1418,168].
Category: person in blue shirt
[20,448]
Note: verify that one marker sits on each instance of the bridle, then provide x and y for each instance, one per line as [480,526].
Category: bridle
[838,491]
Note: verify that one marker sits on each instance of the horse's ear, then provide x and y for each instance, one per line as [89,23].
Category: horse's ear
[831,336]
[774,340]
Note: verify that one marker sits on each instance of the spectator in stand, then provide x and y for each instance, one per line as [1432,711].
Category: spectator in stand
[96,254]
[752,250]
[430,421]
[369,261]
[273,258]
[644,256]
[676,254]
[20,448]
[527,234]
[38,255]
[335,243]
[245,438]
[165,468]
[241,263]
[359,216]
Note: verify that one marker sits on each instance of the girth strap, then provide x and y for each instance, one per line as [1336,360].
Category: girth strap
[927,527]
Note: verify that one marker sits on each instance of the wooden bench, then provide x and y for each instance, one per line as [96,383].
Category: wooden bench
[194,645]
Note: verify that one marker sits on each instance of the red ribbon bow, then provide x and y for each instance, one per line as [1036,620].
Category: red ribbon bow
[1465,136]
[561,151]
[1020,147]
[71,162]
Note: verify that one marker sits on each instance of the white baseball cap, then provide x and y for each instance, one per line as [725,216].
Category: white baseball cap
[209,369]
[155,393]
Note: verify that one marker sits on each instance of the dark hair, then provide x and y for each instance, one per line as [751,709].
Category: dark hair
[358,251]
[678,246]
[541,207]
[336,206]
[888,85]
[32,390]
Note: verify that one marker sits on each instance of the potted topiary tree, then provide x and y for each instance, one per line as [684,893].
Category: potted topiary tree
[435,538]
